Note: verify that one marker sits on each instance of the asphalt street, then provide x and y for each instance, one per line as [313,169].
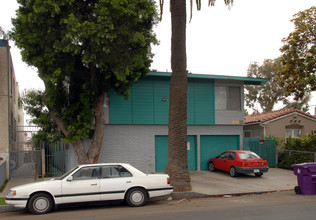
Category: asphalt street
[277,205]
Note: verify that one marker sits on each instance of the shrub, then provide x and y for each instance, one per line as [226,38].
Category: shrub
[286,159]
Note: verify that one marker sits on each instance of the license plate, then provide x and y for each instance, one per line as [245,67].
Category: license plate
[256,171]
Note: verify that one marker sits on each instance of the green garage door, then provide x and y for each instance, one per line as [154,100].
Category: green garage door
[161,153]
[212,146]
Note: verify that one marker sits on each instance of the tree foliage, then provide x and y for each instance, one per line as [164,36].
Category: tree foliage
[298,72]
[34,105]
[267,95]
[82,49]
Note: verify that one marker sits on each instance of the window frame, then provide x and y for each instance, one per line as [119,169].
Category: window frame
[119,167]
[224,99]
[292,135]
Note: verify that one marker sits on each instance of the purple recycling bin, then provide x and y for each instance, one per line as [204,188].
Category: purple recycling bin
[306,178]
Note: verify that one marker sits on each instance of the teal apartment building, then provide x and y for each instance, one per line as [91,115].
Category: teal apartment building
[136,130]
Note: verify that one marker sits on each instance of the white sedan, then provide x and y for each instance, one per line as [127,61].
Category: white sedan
[91,183]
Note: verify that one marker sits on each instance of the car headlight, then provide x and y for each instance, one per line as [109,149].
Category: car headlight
[12,193]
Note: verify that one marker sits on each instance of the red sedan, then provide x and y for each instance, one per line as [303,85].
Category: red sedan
[239,161]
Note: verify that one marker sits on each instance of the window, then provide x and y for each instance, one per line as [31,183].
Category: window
[227,98]
[294,133]
[232,156]
[87,173]
[114,172]
[224,155]
[248,155]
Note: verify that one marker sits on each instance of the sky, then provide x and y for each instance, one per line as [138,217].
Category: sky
[220,41]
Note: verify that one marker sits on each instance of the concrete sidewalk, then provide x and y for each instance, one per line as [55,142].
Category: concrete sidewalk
[206,184]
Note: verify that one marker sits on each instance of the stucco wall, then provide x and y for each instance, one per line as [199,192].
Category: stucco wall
[4,131]
[277,128]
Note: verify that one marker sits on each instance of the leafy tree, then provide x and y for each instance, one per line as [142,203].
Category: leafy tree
[301,104]
[82,49]
[177,165]
[34,105]
[269,94]
[299,55]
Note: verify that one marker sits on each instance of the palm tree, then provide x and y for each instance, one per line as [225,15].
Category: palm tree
[177,165]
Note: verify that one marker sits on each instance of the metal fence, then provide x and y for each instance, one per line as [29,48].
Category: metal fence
[264,147]
[3,170]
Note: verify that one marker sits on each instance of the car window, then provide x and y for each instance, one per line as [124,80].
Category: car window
[114,172]
[224,155]
[248,155]
[232,156]
[86,173]
[66,174]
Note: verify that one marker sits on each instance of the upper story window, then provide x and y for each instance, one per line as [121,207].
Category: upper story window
[227,98]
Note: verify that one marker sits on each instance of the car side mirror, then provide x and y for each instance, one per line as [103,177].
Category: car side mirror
[70,178]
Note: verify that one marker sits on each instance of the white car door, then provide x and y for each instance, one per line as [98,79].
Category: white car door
[114,181]
[83,186]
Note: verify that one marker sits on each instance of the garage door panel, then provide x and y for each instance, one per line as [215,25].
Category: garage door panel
[212,146]
[161,153]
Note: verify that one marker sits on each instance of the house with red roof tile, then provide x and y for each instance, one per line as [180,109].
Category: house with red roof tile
[289,122]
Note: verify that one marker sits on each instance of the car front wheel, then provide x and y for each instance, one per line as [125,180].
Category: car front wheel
[233,172]
[136,197]
[258,174]
[211,167]
[40,203]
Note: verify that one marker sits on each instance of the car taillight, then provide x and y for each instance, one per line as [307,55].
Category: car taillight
[245,164]
[168,180]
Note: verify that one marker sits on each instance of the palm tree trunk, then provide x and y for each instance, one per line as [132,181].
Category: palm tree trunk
[177,165]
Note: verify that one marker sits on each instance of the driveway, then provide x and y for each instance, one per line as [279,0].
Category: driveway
[221,183]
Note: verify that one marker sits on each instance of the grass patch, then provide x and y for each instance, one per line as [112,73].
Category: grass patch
[2,201]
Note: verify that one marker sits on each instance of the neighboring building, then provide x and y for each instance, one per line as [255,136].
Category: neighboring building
[136,129]
[11,112]
[282,123]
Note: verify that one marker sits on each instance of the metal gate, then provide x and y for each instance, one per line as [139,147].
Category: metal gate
[56,158]
[264,147]
[24,157]
[35,159]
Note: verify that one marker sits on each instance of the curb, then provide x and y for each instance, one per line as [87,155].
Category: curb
[8,208]
[189,195]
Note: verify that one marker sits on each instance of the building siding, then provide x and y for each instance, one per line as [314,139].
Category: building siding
[148,103]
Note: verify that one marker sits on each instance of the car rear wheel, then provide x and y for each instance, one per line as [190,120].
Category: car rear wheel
[233,172]
[211,167]
[40,203]
[258,174]
[136,197]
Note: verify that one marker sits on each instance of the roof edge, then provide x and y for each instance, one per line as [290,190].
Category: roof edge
[246,80]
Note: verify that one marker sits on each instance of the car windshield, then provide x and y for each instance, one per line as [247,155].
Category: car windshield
[248,155]
[66,174]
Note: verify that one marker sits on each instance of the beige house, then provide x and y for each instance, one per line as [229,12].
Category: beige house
[282,123]
[11,112]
